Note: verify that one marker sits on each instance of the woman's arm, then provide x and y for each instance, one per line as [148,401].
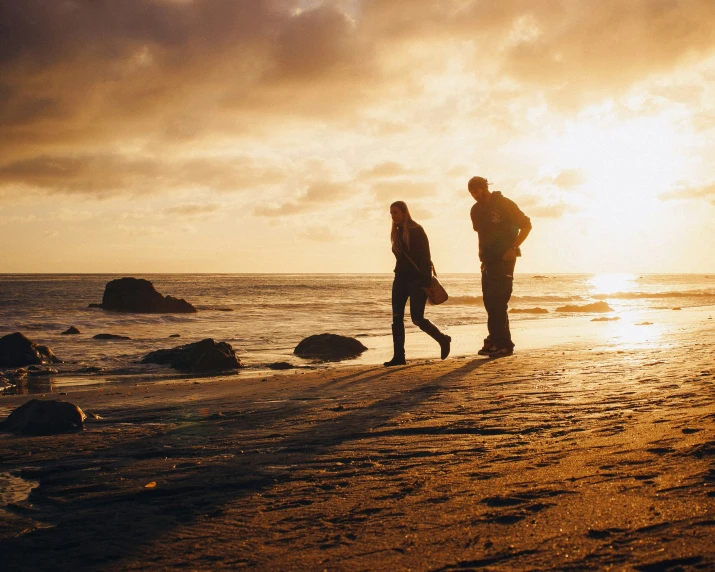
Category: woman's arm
[421,255]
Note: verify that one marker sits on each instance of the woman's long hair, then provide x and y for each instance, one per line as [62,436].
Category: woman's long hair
[407,224]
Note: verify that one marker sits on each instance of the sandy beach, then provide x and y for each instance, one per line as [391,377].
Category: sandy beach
[589,455]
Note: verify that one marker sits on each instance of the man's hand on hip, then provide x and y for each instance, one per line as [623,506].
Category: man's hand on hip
[509,255]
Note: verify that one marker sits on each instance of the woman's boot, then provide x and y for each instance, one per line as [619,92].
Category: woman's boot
[443,340]
[398,343]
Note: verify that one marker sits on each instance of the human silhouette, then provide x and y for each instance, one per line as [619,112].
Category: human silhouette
[413,272]
[502,228]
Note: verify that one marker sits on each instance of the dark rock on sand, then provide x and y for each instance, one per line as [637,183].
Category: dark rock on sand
[110,337]
[281,365]
[175,336]
[329,347]
[70,331]
[44,418]
[38,370]
[138,295]
[200,357]
[90,369]
[595,307]
[17,351]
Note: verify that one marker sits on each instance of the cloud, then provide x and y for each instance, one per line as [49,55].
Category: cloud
[315,197]
[706,191]
[75,72]
[320,234]
[553,210]
[568,178]
[106,175]
[192,210]
[551,201]
[387,169]
[420,212]
[103,97]
[403,190]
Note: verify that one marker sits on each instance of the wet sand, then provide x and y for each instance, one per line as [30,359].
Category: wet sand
[584,456]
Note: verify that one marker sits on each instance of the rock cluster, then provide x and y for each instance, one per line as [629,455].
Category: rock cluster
[17,351]
[206,356]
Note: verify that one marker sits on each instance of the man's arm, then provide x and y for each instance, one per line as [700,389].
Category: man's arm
[524,224]
[473,216]
[521,237]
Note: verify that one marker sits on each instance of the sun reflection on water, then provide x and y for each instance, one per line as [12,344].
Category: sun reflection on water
[628,333]
[612,283]
[631,329]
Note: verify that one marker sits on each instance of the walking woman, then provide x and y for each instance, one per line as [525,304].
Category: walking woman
[413,270]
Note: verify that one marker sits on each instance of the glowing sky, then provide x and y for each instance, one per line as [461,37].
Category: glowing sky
[272,135]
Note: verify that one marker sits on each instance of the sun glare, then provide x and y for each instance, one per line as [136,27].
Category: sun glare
[612,283]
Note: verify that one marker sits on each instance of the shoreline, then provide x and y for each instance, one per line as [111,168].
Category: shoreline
[631,328]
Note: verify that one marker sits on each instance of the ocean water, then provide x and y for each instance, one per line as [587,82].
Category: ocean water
[264,316]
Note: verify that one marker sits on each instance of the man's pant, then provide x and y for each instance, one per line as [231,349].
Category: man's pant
[497,281]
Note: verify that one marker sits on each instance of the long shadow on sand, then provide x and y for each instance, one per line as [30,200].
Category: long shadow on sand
[96,512]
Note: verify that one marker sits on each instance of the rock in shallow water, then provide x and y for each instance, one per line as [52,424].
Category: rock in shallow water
[16,351]
[280,365]
[329,347]
[595,307]
[70,331]
[205,356]
[38,417]
[138,295]
[110,337]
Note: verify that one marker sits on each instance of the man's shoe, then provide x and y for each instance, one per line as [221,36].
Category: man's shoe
[501,352]
[445,346]
[397,360]
[487,347]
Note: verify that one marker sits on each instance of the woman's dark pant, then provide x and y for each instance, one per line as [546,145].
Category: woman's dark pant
[497,282]
[402,289]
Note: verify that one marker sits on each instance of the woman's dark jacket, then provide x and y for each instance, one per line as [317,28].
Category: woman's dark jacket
[418,251]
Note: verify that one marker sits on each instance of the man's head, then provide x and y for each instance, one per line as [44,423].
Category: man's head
[478,188]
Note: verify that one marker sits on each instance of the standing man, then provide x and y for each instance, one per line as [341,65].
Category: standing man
[501,228]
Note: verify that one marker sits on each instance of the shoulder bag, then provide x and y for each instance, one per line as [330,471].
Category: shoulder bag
[436,294]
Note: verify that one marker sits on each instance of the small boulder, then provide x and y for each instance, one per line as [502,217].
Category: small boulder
[205,356]
[110,337]
[138,295]
[175,336]
[329,347]
[90,369]
[16,351]
[528,311]
[280,365]
[38,417]
[595,307]
[39,370]
[70,331]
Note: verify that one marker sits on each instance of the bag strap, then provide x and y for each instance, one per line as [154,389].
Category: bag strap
[417,267]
